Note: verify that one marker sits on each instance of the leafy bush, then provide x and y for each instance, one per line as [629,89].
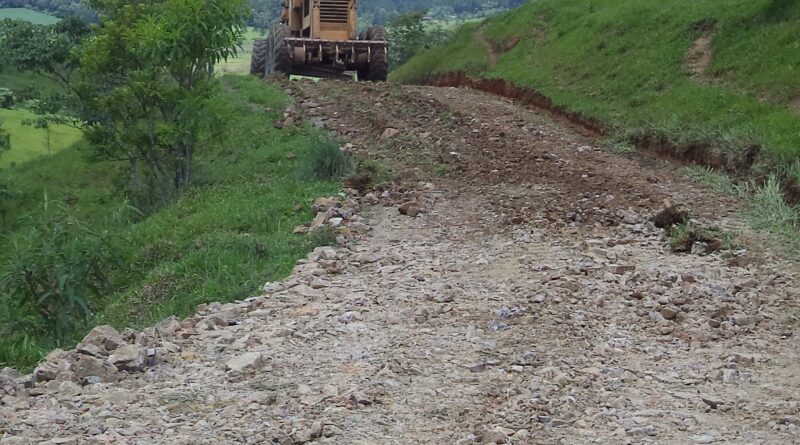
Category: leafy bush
[56,269]
[6,98]
[328,161]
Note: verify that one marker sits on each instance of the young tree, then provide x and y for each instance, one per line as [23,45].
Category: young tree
[410,34]
[149,81]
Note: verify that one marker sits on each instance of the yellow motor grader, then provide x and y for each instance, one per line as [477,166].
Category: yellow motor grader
[318,38]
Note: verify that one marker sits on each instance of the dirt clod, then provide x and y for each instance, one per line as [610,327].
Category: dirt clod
[669,217]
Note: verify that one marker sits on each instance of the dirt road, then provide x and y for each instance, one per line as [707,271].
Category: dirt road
[531,301]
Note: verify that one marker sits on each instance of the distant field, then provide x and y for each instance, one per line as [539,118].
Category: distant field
[28,143]
[27,14]
[241,64]
[27,83]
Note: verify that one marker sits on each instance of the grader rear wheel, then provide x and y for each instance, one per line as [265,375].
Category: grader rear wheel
[278,59]
[258,59]
[378,69]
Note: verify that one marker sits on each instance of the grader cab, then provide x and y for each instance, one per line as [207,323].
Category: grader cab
[318,38]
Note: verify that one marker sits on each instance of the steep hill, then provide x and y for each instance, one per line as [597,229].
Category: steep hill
[717,75]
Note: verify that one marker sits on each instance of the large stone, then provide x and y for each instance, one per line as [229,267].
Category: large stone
[101,370]
[169,327]
[9,377]
[493,437]
[49,368]
[245,363]
[325,253]
[325,204]
[410,208]
[105,337]
[390,133]
[128,358]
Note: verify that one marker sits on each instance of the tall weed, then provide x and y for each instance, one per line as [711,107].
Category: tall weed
[58,267]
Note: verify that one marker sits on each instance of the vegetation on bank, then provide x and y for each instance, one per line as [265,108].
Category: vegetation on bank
[178,190]
[221,240]
[624,62]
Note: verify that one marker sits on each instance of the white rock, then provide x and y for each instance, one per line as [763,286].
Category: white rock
[245,363]
[128,358]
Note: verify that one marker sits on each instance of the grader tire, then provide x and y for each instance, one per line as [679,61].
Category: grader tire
[259,57]
[280,61]
[378,69]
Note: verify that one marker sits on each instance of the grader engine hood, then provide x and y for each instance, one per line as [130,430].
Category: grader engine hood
[336,17]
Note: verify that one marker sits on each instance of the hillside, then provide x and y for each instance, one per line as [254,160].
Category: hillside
[714,76]
[223,239]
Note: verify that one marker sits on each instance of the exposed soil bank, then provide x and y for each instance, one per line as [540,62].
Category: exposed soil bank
[695,154]
[524,96]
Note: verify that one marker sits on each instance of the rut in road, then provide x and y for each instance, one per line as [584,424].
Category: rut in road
[530,302]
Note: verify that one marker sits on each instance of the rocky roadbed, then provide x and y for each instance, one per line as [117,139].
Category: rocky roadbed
[524,296]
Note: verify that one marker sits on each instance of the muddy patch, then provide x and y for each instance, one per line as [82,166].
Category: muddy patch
[794,105]
[791,191]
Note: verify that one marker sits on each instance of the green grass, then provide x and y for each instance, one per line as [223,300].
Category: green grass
[29,15]
[241,63]
[26,85]
[220,241]
[715,180]
[622,61]
[28,142]
[682,237]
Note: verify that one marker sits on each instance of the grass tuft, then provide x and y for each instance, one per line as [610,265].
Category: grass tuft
[328,161]
[716,180]
[683,236]
[770,211]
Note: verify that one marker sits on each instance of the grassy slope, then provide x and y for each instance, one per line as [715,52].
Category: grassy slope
[26,85]
[27,14]
[28,142]
[622,61]
[220,241]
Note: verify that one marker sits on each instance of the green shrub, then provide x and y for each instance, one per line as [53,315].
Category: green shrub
[6,98]
[57,267]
